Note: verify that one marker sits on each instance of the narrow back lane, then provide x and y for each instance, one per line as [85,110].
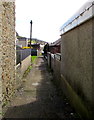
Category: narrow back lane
[39,98]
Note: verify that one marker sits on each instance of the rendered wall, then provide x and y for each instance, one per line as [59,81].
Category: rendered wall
[25,64]
[7,49]
[57,70]
[0,60]
[77,67]
[54,63]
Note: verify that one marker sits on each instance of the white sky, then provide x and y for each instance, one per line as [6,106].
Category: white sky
[47,16]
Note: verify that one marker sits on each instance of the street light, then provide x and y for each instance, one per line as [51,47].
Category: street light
[30,33]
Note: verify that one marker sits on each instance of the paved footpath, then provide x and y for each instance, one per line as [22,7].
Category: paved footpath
[39,98]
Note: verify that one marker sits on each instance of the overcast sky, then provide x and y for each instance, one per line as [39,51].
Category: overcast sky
[47,16]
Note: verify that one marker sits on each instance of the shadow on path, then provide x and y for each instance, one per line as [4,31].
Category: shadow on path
[39,98]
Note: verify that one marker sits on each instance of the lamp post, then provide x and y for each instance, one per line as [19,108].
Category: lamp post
[30,33]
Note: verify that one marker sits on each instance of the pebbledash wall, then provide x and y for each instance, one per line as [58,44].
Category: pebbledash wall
[7,49]
[77,61]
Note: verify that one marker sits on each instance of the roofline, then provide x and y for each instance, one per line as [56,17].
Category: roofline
[85,13]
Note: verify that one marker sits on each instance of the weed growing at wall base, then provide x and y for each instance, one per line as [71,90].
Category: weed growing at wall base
[33,58]
[27,71]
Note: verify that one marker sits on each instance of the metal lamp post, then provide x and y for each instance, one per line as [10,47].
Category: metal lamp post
[30,33]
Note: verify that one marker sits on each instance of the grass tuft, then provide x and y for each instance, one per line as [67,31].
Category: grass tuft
[33,58]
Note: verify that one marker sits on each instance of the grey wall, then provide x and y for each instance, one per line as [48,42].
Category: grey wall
[20,70]
[7,50]
[54,63]
[25,64]
[76,63]
[23,42]
[57,70]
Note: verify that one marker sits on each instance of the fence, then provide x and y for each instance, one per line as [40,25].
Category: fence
[25,53]
[21,54]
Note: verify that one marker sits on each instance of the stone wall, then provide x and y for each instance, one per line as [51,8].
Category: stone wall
[7,49]
[77,68]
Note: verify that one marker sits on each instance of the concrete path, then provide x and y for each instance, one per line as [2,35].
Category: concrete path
[39,98]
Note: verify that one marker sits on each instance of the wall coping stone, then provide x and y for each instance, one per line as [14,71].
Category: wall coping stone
[58,56]
[85,13]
